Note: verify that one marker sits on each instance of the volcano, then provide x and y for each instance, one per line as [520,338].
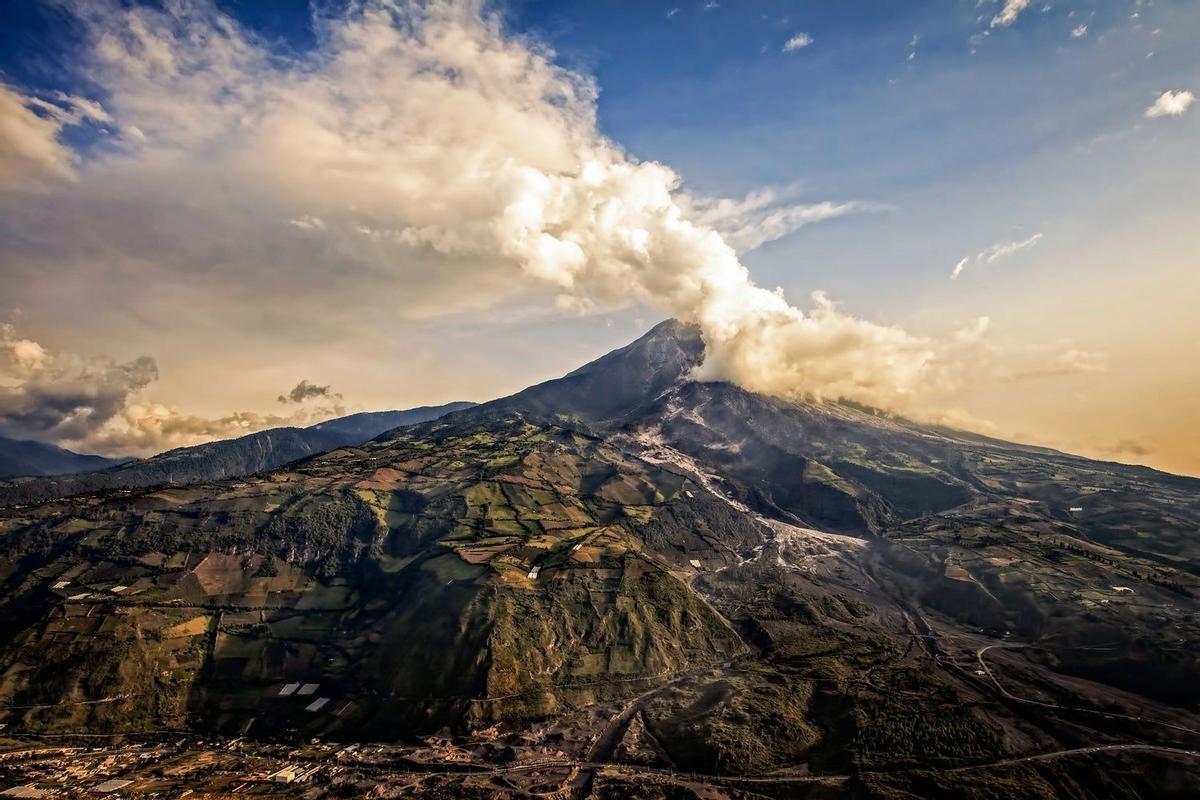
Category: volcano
[627,581]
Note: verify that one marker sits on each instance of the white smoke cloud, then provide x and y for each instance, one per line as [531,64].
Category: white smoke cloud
[421,140]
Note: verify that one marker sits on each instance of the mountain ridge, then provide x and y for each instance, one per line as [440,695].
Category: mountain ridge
[227,458]
[27,457]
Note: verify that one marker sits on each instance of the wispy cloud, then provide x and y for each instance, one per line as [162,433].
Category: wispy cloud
[996,252]
[1124,447]
[1009,13]
[765,215]
[30,152]
[797,42]
[1171,104]
[308,223]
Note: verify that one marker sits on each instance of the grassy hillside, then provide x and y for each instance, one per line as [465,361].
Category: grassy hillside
[399,577]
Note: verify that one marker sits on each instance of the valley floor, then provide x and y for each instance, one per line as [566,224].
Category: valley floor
[1100,743]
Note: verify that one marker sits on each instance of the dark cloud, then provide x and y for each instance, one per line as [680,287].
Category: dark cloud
[97,404]
[307,391]
[61,396]
[1127,447]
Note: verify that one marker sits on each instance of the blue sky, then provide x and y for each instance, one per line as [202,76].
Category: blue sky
[1022,150]
[939,137]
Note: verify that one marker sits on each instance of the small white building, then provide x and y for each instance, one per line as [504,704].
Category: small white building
[288,774]
[111,785]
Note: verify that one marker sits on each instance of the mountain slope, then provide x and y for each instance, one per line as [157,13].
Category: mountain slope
[20,458]
[1005,531]
[228,458]
[833,465]
[358,428]
[406,553]
[614,385]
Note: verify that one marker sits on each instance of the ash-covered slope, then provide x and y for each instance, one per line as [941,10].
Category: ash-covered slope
[833,465]
[229,458]
[1005,537]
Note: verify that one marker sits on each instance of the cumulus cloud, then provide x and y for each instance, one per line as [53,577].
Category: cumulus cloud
[144,427]
[797,42]
[1171,104]
[97,404]
[422,149]
[995,253]
[62,396]
[1009,12]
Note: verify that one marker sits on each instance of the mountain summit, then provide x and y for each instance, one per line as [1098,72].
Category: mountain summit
[613,386]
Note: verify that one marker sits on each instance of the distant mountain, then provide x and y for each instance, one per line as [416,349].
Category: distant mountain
[229,458]
[20,458]
[358,428]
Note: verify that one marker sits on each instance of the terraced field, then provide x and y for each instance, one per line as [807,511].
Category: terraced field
[441,579]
